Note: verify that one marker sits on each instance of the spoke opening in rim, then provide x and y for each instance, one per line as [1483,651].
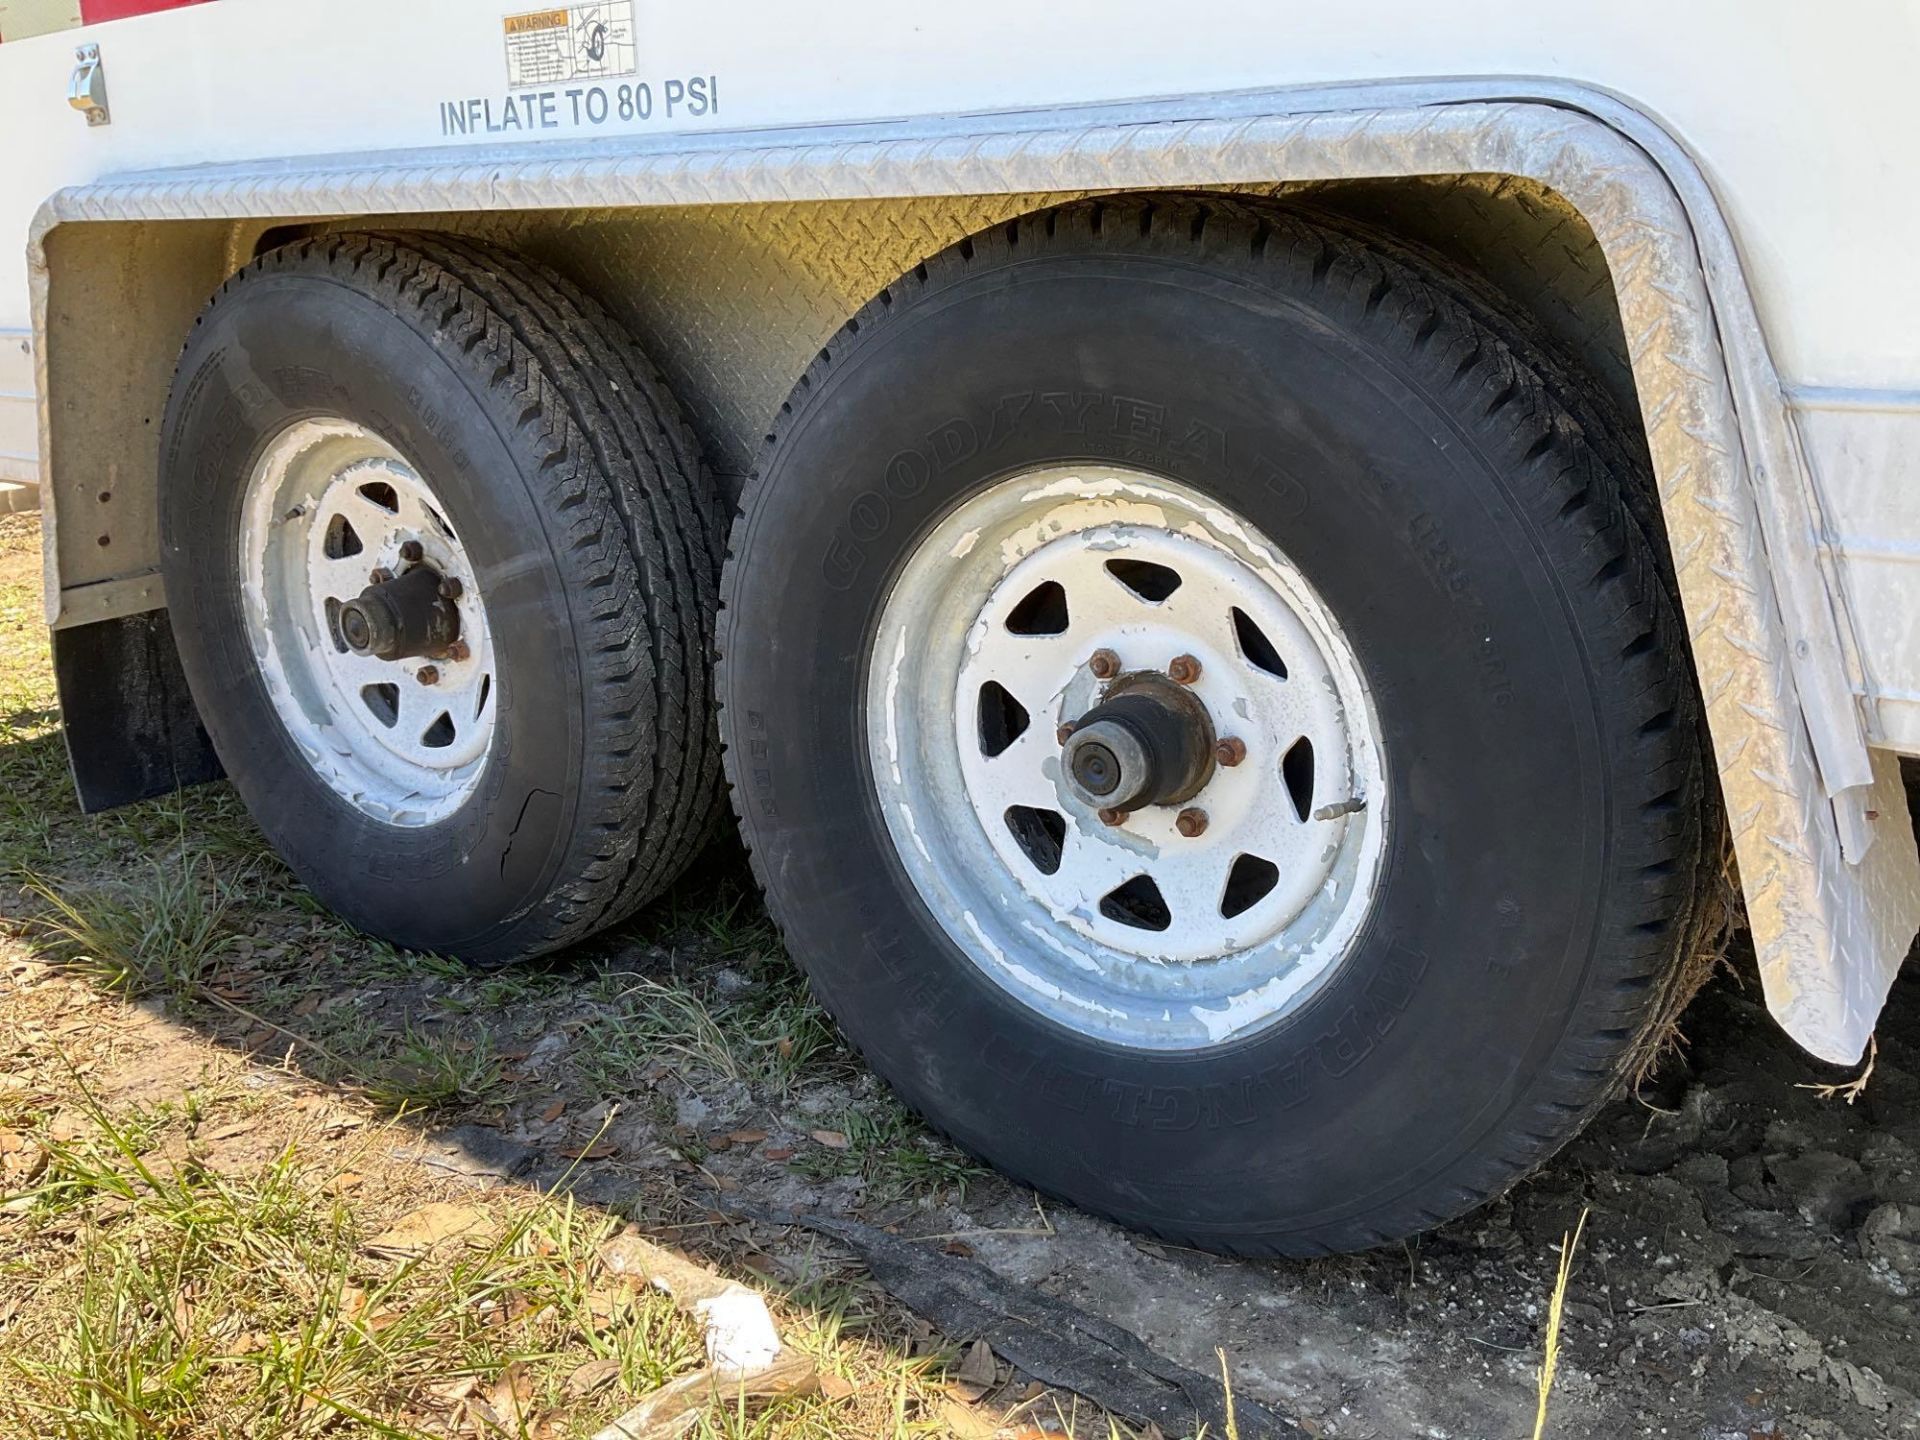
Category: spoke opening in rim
[1152,583]
[382,702]
[1138,903]
[343,541]
[1043,612]
[1042,834]
[1003,719]
[1250,881]
[1296,768]
[1257,649]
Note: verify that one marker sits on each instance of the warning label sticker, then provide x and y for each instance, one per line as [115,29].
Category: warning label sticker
[581,42]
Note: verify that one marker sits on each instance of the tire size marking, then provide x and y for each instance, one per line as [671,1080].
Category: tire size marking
[1455,583]
[761,776]
[582,107]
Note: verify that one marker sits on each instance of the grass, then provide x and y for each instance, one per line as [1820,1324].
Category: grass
[1850,1090]
[764,1029]
[895,1155]
[251,1303]
[157,1282]
[161,930]
[153,1288]
[32,760]
[1550,1352]
[437,1068]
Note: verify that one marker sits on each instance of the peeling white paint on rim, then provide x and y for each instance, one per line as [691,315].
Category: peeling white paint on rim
[328,502]
[1220,966]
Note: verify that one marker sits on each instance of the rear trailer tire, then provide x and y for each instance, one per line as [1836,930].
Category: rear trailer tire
[436,449]
[1229,483]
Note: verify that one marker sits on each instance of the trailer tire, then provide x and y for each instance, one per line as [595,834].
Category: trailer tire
[486,451]
[1342,426]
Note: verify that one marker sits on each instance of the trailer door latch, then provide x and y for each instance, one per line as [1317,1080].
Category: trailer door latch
[87,90]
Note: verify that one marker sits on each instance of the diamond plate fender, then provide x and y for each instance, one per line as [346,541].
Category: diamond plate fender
[1832,912]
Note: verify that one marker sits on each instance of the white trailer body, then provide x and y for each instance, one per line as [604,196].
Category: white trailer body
[1721,190]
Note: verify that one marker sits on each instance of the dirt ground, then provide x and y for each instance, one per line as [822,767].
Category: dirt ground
[1749,1267]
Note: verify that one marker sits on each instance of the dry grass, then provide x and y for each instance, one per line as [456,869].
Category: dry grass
[163,1280]
[1550,1352]
[249,1302]
[194,1247]
[1718,915]
[1850,1090]
[1226,1390]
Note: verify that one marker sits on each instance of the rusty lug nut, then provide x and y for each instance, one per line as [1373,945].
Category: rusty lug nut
[1191,822]
[1230,751]
[1110,816]
[1183,670]
[459,650]
[412,552]
[428,674]
[380,576]
[1104,664]
[1063,733]
[451,587]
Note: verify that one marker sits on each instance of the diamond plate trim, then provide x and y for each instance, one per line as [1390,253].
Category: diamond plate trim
[734,301]
[1767,643]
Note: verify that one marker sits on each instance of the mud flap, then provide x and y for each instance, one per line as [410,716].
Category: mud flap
[132,730]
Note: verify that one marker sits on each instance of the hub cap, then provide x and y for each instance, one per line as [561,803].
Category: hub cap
[1126,756]
[370,634]
[1149,742]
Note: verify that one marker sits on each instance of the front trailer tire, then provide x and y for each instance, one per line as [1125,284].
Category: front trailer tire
[507,420]
[1537,719]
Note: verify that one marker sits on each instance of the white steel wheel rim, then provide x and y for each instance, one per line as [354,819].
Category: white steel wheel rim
[962,806]
[328,503]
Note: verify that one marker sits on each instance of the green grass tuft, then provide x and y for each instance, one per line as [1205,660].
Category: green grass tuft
[160,931]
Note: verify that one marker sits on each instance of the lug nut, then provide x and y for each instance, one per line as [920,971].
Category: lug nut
[1183,670]
[1063,733]
[459,650]
[1111,816]
[1191,822]
[428,674]
[412,552]
[451,587]
[1230,751]
[1104,664]
[380,576]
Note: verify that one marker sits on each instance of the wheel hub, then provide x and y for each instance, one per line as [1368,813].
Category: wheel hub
[401,617]
[1148,742]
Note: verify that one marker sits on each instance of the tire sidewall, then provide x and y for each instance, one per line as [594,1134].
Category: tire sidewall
[1440,569]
